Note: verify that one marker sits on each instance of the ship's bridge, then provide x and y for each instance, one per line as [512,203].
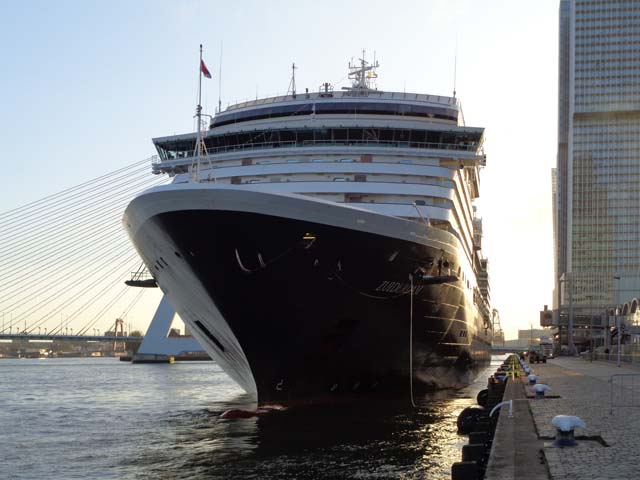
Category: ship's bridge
[331,132]
[364,118]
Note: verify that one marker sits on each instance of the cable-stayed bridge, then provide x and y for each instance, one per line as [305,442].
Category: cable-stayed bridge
[64,260]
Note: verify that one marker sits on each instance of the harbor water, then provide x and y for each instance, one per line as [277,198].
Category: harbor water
[100,418]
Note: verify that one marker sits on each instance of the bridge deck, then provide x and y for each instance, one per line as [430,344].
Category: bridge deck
[90,338]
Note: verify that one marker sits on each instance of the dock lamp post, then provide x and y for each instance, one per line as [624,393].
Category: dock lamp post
[591,342]
[617,317]
[570,344]
[619,327]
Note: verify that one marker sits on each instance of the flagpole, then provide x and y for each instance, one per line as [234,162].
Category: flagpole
[200,81]
[220,81]
[199,119]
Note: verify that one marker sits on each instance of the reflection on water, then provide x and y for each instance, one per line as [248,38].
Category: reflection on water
[91,418]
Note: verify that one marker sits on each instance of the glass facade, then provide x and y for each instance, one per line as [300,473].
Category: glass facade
[597,183]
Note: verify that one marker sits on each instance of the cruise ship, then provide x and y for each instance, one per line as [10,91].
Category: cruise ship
[322,245]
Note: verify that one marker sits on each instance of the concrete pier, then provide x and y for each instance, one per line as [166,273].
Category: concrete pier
[515,452]
[608,448]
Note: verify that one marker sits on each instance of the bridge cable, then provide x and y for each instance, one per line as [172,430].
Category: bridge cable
[55,294]
[20,233]
[68,302]
[61,238]
[63,204]
[66,210]
[17,210]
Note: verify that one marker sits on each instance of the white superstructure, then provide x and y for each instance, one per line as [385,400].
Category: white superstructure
[400,154]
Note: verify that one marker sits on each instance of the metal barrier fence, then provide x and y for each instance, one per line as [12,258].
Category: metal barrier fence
[624,390]
[613,357]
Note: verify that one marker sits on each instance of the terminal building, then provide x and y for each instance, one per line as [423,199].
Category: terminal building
[530,338]
[596,182]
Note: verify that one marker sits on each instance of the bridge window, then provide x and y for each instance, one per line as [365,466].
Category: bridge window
[411,138]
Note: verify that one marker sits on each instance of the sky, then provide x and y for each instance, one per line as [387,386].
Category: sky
[85,85]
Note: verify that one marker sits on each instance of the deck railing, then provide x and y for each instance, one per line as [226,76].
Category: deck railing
[319,143]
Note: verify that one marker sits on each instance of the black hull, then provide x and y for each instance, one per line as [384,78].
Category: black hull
[322,311]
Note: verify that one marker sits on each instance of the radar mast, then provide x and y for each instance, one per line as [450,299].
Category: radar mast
[362,75]
[292,83]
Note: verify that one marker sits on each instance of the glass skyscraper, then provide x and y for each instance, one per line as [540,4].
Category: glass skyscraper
[596,184]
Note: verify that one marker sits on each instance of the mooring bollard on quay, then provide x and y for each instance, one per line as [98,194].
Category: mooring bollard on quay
[478,423]
[565,426]
[540,389]
[516,447]
[503,442]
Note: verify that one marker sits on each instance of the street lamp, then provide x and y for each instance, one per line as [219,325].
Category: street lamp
[617,317]
[591,343]
[570,345]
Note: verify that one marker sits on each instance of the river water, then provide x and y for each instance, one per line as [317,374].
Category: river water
[101,418]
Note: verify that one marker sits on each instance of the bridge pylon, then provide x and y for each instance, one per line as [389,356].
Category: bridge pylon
[157,343]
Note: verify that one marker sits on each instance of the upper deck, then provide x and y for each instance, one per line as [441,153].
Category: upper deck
[329,102]
[364,118]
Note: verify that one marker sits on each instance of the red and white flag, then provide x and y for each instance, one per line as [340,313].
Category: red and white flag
[204,69]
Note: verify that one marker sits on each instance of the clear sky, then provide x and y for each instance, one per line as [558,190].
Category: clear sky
[85,85]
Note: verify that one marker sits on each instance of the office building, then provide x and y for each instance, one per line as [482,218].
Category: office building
[596,184]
